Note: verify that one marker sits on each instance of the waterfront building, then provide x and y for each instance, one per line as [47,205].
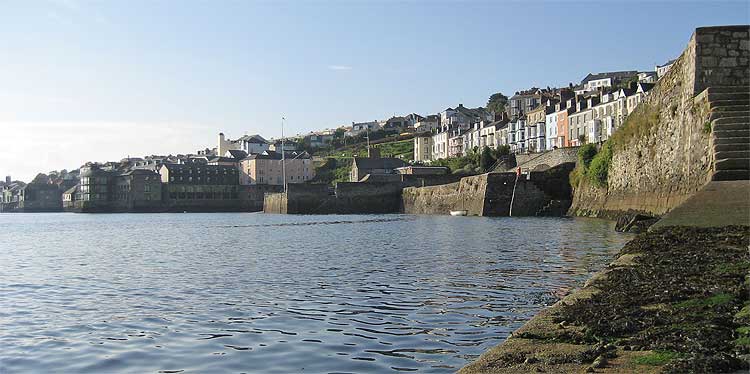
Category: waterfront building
[534,137]
[456,145]
[248,143]
[70,197]
[489,133]
[597,81]
[641,90]
[422,148]
[471,138]
[462,117]
[395,123]
[523,102]
[266,168]
[427,124]
[362,127]
[125,190]
[517,135]
[440,145]
[647,77]
[501,133]
[236,154]
[363,166]
[197,187]
[290,145]
[226,161]
[577,122]
[320,139]
[550,127]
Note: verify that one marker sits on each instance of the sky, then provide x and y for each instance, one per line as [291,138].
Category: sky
[103,80]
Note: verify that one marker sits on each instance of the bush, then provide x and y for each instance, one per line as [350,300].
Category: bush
[585,154]
[502,150]
[598,170]
[486,160]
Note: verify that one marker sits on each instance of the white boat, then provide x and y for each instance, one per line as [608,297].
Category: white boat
[457,213]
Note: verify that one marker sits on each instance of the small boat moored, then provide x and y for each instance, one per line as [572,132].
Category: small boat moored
[457,213]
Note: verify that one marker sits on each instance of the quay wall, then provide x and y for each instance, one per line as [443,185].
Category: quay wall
[379,195]
[491,194]
[663,154]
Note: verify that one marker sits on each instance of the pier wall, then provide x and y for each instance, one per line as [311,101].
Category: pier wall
[538,193]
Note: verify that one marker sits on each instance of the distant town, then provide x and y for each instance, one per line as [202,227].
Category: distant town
[235,174]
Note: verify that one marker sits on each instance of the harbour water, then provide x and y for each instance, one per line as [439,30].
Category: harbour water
[254,293]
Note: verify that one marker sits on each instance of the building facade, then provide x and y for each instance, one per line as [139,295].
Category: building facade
[266,168]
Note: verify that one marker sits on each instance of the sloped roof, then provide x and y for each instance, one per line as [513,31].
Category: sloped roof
[378,163]
[73,189]
[237,153]
[670,62]
[273,155]
[253,139]
[223,159]
[611,74]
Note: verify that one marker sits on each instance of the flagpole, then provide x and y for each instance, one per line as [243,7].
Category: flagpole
[283,165]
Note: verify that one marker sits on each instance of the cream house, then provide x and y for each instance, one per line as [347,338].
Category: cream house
[266,168]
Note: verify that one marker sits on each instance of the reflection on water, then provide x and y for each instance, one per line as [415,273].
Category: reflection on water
[278,294]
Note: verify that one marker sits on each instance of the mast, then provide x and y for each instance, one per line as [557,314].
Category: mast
[367,132]
[283,164]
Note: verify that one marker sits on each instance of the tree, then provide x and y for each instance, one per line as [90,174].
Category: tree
[503,150]
[497,103]
[486,160]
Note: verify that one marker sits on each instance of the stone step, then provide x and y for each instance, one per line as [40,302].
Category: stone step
[728,96]
[732,133]
[730,126]
[731,175]
[728,89]
[732,109]
[732,119]
[732,164]
[720,155]
[729,147]
[736,140]
[728,103]
[716,115]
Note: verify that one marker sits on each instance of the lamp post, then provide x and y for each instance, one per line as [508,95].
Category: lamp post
[283,165]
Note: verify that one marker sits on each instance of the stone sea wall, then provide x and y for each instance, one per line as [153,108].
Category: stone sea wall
[663,153]
[539,193]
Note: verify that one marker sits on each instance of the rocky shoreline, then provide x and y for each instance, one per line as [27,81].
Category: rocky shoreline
[675,300]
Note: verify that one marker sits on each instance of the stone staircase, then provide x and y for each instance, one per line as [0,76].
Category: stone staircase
[730,126]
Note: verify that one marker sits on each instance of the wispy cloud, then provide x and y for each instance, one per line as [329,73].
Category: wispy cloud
[340,67]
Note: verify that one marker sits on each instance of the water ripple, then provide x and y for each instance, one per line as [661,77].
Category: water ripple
[278,294]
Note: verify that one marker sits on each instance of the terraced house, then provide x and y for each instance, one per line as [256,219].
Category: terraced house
[199,187]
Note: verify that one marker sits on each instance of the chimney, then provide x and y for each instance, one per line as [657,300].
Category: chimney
[7,179]
[460,105]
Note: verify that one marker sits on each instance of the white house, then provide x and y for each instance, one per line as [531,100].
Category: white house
[439,146]
[252,144]
[550,127]
[358,128]
[663,69]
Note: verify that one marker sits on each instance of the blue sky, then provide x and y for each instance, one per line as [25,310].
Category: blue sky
[100,80]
